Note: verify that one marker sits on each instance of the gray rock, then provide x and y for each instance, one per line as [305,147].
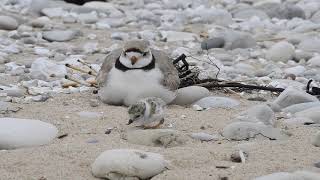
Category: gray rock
[19,133]
[290,176]
[246,130]
[315,61]
[88,18]
[128,164]
[217,102]
[282,51]
[13,92]
[310,45]
[44,69]
[189,95]
[283,11]
[94,102]
[236,39]
[316,140]
[172,36]
[248,13]
[291,96]
[59,35]
[8,23]
[258,113]
[300,107]
[310,113]
[212,43]
[204,136]
[53,12]
[155,137]
[316,17]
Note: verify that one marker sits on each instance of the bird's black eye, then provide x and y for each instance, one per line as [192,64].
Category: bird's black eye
[144,54]
[125,53]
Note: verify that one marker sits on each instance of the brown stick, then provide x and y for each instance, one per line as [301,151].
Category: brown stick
[81,70]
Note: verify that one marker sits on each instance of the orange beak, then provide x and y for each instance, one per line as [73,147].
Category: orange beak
[133,60]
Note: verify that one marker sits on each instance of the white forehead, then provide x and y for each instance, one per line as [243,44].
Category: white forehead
[133,54]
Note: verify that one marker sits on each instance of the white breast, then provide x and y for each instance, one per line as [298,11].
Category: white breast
[130,86]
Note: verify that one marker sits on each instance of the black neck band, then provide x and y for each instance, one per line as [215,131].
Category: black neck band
[122,67]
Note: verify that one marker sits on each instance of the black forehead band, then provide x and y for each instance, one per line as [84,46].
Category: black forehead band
[134,50]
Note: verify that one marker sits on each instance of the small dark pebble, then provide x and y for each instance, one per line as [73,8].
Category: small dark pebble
[222,167]
[202,127]
[62,136]
[108,131]
[223,178]
[317,164]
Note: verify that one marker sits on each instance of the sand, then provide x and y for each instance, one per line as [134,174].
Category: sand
[70,158]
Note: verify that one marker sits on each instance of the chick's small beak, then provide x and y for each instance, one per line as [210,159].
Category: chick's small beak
[133,60]
[130,121]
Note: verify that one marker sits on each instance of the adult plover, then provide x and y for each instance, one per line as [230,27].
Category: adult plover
[135,72]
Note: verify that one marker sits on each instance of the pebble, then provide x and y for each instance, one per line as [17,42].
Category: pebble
[310,45]
[44,69]
[217,42]
[300,107]
[204,136]
[19,133]
[189,95]
[59,35]
[128,163]
[155,137]
[8,23]
[282,51]
[217,102]
[172,36]
[94,102]
[310,113]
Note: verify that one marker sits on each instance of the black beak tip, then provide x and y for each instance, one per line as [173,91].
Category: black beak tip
[130,121]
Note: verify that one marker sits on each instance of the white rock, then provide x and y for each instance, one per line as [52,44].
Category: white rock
[258,113]
[59,35]
[315,61]
[43,69]
[196,107]
[298,175]
[53,12]
[310,45]
[155,137]
[106,7]
[125,163]
[291,96]
[8,23]
[247,130]
[172,36]
[297,70]
[42,51]
[189,95]
[316,140]
[282,51]
[311,113]
[88,18]
[204,136]
[217,102]
[19,133]
[300,107]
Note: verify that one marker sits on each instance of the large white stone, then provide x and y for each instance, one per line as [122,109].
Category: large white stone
[300,107]
[59,35]
[19,133]
[128,163]
[282,51]
[291,96]
[258,113]
[43,69]
[217,102]
[189,95]
[316,140]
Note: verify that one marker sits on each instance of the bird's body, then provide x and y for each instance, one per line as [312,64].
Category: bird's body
[134,73]
[147,113]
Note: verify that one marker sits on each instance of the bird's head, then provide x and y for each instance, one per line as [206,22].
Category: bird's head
[136,112]
[136,54]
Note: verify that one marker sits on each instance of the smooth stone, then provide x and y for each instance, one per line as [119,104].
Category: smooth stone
[248,13]
[314,62]
[8,23]
[53,12]
[282,51]
[310,45]
[311,113]
[291,96]
[296,70]
[217,102]
[109,8]
[172,36]
[88,18]
[317,164]
[316,139]
[299,55]
[189,95]
[258,113]
[40,22]
[298,175]
[155,137]
[89,115]
[217,42]
[128,163]
[316,17]
[43,69]
[300,107]
[298,121]
[282,11]
[204,136]
[18,133]
[13,92]
[59,35]
[204,15]
[246,130]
